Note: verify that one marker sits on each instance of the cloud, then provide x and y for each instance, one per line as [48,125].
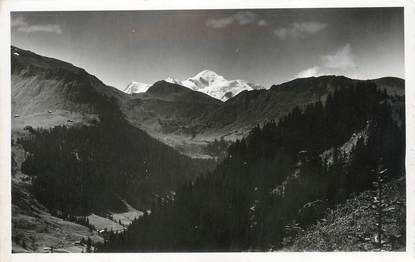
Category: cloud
[339,62]
[21,25]
[262,22]
[50,28]
[220,23]
[308,27]
[241,18]
[341,59]
[245,18]
[18,21]
[309,72]
[299,30]
[281,33]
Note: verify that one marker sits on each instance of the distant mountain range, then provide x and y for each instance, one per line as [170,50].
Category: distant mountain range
[207,82]
[177,115]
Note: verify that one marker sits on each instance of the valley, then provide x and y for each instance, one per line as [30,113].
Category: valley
[181,166]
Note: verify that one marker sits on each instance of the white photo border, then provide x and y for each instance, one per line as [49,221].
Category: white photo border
[7,6]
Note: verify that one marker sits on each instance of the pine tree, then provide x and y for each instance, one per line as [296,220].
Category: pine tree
[89,245]
[380,206]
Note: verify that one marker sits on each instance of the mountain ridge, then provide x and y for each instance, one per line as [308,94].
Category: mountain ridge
[183,118]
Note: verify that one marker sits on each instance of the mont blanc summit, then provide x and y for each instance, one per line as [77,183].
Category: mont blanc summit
[215,85]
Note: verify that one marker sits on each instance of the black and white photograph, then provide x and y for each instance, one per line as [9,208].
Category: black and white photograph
[208,130]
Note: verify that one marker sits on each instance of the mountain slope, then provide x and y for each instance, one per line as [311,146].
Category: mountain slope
[353,224]
[170,113]
[392,85]
[174,92]
[50,93]
[247,109]
[47,92]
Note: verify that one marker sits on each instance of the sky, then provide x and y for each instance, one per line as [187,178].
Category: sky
[263,46]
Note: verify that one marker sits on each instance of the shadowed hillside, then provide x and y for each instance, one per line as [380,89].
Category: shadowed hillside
[89,163]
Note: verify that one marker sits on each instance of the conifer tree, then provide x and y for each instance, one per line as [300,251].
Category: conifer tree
[380,206]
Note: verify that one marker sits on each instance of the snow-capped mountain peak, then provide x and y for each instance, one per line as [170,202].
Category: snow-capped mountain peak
[207,74]
[136,87]
[207,82]
[215,85]
[173,80]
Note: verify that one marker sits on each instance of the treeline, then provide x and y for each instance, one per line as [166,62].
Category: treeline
[276,177]
[83,169]
[81,220]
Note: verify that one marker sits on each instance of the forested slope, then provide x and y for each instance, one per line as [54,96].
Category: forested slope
[277,176]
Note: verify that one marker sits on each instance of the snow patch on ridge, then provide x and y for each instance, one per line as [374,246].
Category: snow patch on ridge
[136,87]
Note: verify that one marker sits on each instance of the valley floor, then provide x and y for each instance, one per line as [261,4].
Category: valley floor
[34,229]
